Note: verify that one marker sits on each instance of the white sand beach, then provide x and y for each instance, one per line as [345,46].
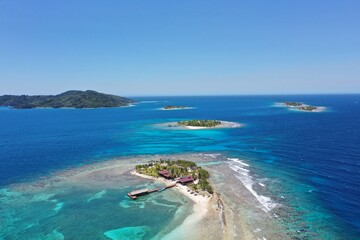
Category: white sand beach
[200,207]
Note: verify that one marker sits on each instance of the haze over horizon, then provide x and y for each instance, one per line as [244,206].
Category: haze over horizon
[180,48]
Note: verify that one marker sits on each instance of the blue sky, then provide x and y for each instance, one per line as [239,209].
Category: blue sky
[180,47]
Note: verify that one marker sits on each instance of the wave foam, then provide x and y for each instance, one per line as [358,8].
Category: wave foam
[243,175]
[213,155]
[238,161]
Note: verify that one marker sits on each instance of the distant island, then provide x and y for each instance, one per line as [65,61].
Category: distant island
[200,123]
[171,107]
[302,107]
[69,99]
[197,124]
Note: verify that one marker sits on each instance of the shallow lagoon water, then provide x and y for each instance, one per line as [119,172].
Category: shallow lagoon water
[308,163]
[77,209]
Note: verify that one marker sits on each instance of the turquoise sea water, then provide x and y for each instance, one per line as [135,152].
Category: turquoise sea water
[306,162]
[82,211]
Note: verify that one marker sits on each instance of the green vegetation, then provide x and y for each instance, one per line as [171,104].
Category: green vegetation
[170,107]
[70,99]
[293,104]
[200,123]
[307,108]
[179,168]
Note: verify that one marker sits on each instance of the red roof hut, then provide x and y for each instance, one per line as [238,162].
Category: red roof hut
[165,173]
[186,180]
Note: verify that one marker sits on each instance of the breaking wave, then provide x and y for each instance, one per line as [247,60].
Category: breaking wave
[243,174]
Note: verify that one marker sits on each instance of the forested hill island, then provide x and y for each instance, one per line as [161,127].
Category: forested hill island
[69,99]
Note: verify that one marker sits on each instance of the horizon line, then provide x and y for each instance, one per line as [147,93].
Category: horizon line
[234,95]
[199,95]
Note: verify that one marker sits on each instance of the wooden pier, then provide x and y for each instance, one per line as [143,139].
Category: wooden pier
[136,193]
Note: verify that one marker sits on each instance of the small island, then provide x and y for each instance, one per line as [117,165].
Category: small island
[69,99]
[299,106]
[182,172]
[200,123]
[171,107]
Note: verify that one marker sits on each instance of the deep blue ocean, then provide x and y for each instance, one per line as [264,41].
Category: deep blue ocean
[312,160]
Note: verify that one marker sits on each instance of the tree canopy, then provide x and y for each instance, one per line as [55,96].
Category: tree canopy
[200,123]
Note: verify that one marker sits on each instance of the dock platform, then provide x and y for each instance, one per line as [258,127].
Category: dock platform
[136,193]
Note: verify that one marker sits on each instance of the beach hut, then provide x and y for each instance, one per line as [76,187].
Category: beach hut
[185,180]
[165,173]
